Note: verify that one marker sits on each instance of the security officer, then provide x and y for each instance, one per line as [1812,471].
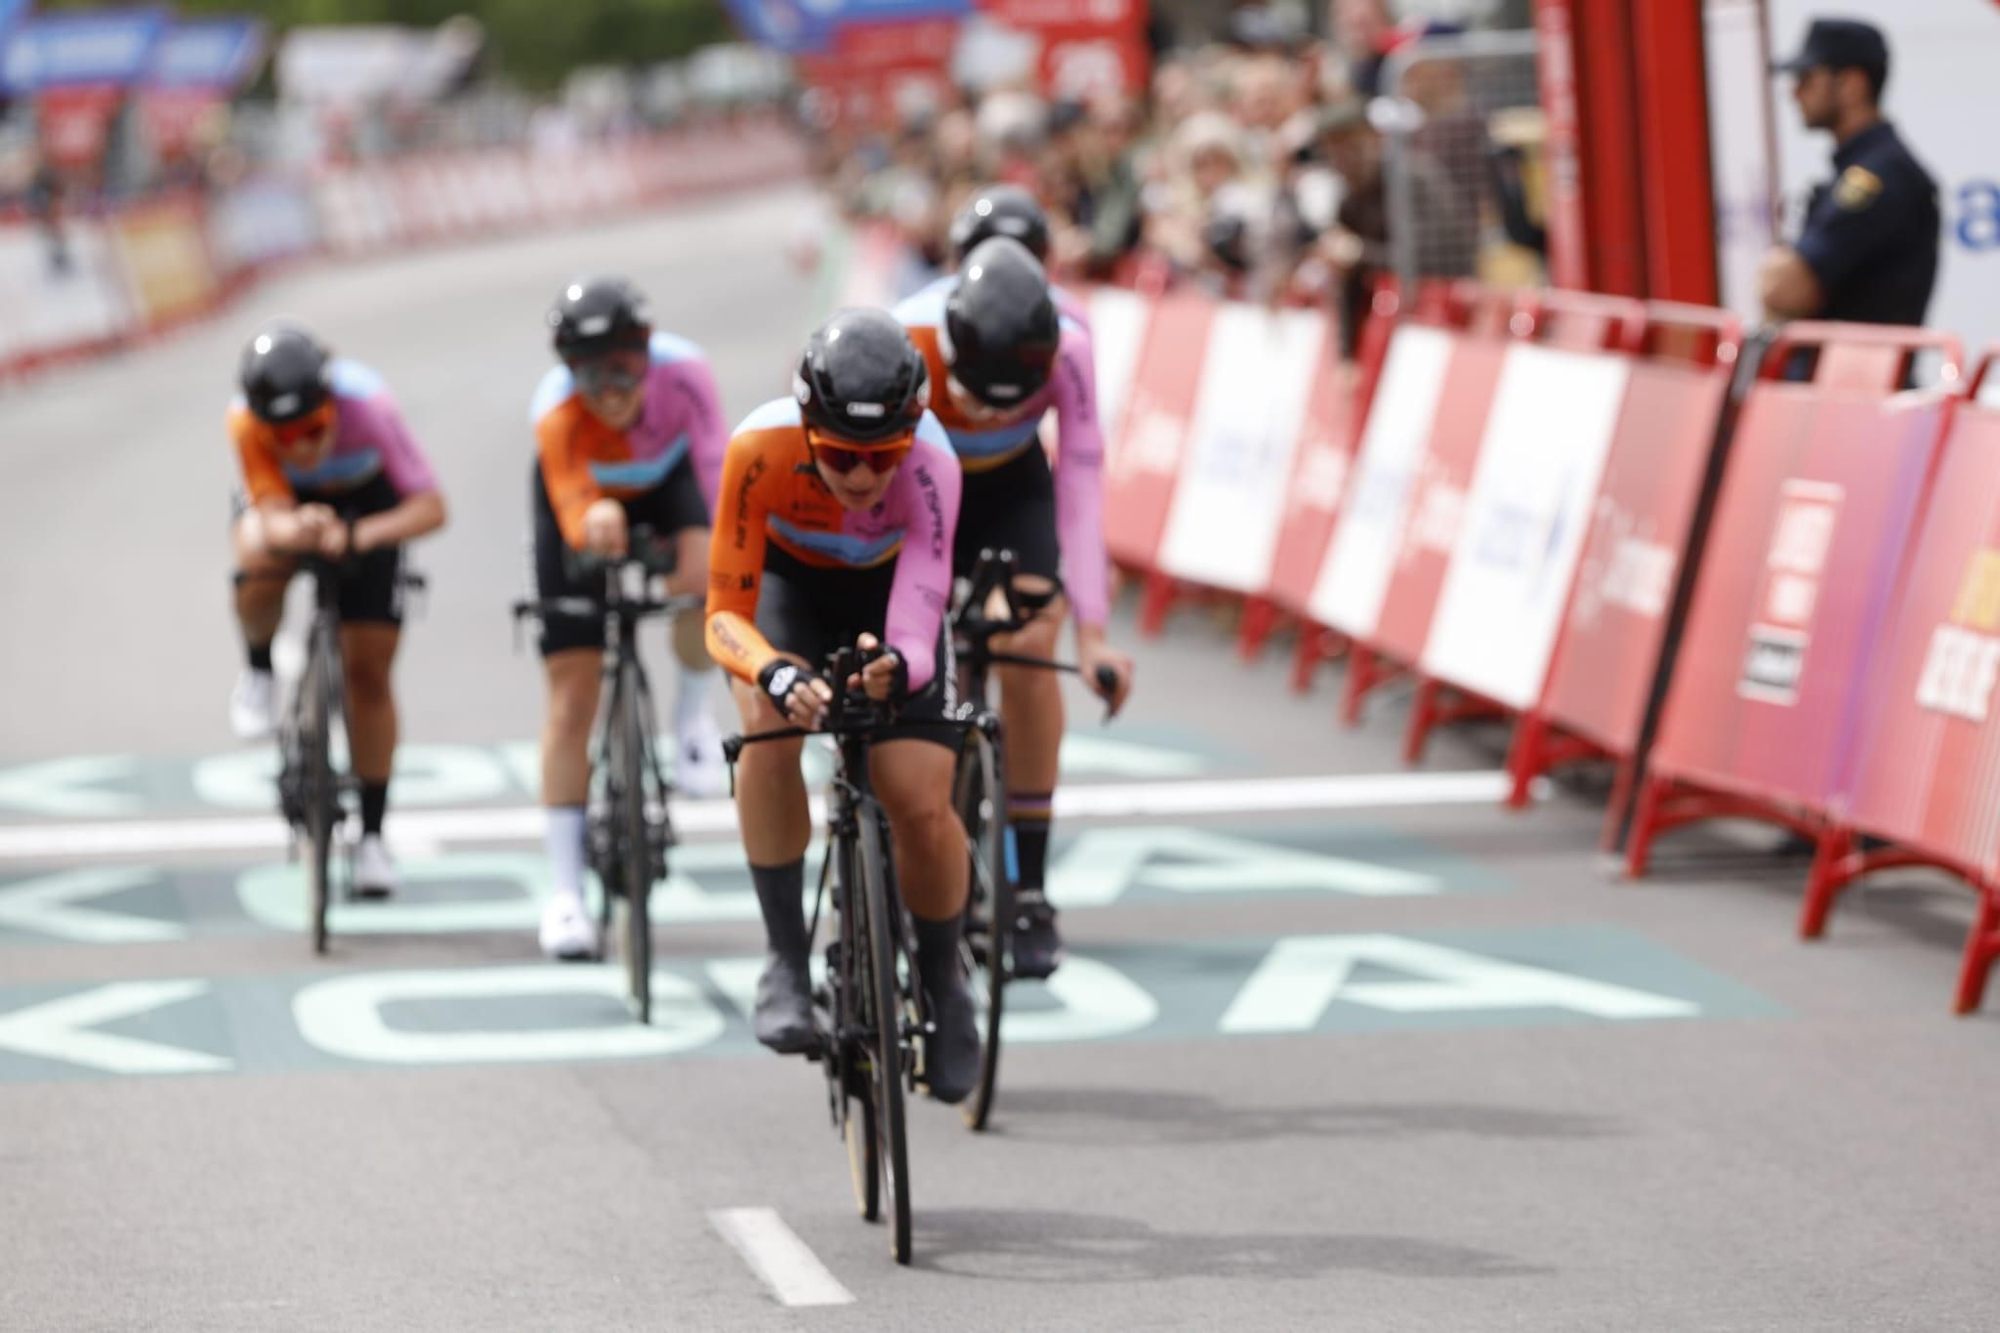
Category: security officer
[1869,249]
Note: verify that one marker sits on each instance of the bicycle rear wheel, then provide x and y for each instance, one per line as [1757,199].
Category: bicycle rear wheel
[980,797]
[637,846]
[885,998]
[850,980]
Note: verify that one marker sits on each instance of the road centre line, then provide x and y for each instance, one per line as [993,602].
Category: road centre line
[779,1258]
[1123,800]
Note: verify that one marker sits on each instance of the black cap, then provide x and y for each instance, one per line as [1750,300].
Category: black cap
[1840,44]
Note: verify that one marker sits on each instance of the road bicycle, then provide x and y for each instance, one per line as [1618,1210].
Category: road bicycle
[628,830]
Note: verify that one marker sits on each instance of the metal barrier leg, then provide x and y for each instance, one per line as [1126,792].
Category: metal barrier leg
[1424,714]
[1360,679]
[1644,825]
[1312,650]
[1260,617]
[1830,874]
[1154,604]
[1525,757]
[1982,949]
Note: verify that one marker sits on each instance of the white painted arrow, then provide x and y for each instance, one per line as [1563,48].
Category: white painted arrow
[46,905]
[55,1030]
[64,787]
[1301,976]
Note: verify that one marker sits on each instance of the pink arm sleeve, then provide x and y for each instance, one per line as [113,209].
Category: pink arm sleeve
[928,485]
[708,438]
[402,458]
[1080,479]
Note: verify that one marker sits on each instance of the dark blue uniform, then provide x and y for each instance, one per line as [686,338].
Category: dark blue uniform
[1871,234]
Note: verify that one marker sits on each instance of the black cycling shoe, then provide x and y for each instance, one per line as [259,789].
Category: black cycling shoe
[784,1019]
[1038,949]
[951,1053]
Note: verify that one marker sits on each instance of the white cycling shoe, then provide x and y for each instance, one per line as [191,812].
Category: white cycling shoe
[568,933]
[699,770]
[374,870]
[253,705]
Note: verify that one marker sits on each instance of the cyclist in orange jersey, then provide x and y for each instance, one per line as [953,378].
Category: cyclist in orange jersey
[834,526]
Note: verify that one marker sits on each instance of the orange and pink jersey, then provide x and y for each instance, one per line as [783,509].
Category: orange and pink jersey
[370,440]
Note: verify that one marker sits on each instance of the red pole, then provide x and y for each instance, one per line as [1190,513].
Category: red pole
[1672,94]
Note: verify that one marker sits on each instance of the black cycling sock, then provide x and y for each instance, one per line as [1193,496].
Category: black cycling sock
[937,953]
[1028,826]
[781,898]
[374,804]
[260,656]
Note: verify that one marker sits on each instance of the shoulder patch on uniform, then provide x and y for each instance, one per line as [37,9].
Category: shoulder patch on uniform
[351,379]
[774,415]
[551,393]
[1857,188]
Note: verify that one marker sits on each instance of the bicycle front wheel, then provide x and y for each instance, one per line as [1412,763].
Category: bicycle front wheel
[319,709]
[637,844]
[878,896]
[980,797]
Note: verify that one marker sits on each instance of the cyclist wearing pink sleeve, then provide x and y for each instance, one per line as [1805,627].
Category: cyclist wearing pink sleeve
[1000,358]
[329,468]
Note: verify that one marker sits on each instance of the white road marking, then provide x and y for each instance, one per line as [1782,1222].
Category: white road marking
[47,905]
[779,1258]
[58,1029]
[431,828]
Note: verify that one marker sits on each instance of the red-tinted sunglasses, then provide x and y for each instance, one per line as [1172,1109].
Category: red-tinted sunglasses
[305,427]
[841,459]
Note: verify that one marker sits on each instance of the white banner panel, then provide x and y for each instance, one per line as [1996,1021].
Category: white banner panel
[1230,498]
[1355,576]
[49,306]
[1117,331]
[1526,517]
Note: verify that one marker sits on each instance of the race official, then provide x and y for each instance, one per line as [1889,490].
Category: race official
[1868,250]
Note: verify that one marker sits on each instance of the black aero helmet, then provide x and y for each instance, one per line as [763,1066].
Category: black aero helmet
[593,316]
[861,379]
[1000,210]
[284,374]
[1000,329]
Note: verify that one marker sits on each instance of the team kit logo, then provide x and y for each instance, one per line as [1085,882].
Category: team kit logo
[1962,664]
[1788,594]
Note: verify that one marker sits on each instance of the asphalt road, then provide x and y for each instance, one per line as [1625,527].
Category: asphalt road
[1364,1053]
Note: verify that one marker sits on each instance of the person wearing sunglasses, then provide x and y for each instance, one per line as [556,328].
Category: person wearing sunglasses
[1001,356]
[329,467]
[628,432]
[834,527]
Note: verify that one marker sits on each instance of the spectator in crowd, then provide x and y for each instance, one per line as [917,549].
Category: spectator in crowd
[1357,247]
[1364,31]
[1212,216]
[1869,248]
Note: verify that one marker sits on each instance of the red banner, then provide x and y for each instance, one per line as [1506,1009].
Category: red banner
[76,123]
[1139,482]
[1929,769]
[1603,670]
[1815,512]
[1088,47]
[174,117]
[1319,477]
[1437,502]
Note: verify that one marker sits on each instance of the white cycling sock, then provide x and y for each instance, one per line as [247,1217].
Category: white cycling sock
[692,702]
[565,843]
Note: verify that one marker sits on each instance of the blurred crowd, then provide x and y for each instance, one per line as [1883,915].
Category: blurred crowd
[1255,167]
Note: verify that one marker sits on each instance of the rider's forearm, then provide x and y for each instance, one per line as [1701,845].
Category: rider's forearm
[413,518]
[737,646]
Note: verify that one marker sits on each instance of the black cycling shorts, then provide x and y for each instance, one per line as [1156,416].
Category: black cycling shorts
[809,612]
[371,588]
[1011,508]
[672,506]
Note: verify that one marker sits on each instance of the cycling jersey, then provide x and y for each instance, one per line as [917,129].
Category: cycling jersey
[988,444]
[772,498]
[584,461]
[370,440]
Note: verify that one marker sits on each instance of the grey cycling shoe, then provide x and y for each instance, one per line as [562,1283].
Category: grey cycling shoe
[784,1017]
[951,1054]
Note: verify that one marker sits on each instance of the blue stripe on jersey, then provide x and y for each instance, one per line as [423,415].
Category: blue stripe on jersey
[995,442]
[925,306]
[859,552]
[641,473]
[337,470]
[667,348]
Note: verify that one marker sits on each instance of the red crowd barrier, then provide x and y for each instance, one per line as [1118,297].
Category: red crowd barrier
[1818,502]
[1144,465]
[1927,775]
[1601,673]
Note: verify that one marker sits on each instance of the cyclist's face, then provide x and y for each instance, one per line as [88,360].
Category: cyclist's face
[613,387]
[304,444]
[851,474]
